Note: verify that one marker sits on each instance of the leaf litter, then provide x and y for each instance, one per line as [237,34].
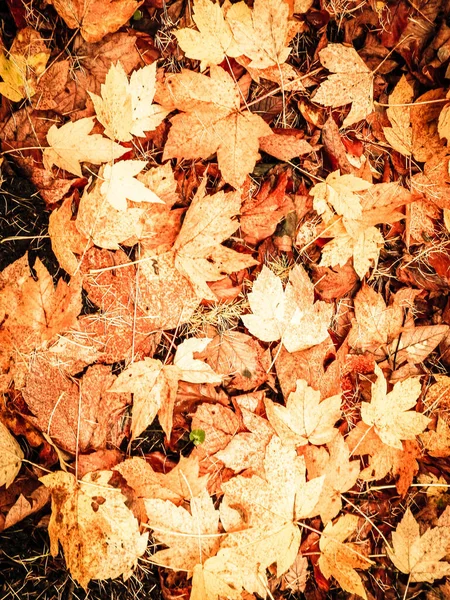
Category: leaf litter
[237,345]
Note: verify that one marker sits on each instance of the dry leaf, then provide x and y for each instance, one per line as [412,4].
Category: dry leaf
[305,418]
[199,253]
[339,560]
[351,82]
[208,125]
[213,40]
[285,147]
[437,443]
[125,108]
[199,525]
[339,471]
[400,134]
[11,456]
[389,413]
[71,144]
[193,370]
[291,314]
[419,556]
[98,532]
[119,184]
[96,18]
[339,191]
[260,34]
[154,388]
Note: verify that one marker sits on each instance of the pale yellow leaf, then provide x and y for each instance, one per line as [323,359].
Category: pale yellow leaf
[341,192]
[339,560]
[351,82]
[420,556]
[71,144]
[99,534]
[261,34]
[291,314]
[199,525]
[11,456]
[366,250]
[213,40]
[389,413]
[192,369]
[399,135]
[120,184]
[304,418]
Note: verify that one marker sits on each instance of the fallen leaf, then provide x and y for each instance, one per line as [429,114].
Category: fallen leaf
[213,40]
[351,82]
[260,34]
[291,314]
[388,412]
[126,109]
[199,527]
[285,147]
[199,253]
[419,556]
[437,443]
[97,18]
[341,192]
[339,559]
[305,418]
[71,144]
[22,508]
[97,531]
[194,370]
[119,184]
[400,134]
[207,126]
[11,457]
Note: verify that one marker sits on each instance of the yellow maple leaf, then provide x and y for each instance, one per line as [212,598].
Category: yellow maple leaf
[339,560]
[351,82]
[126,108]
[98,532]
[71,144]
[118,184]
[11,456]
[213,40]
[261,34]
[291,314]
[339,191]
[389,413]
[199,253]
[212,122]
[304,418]
[420,556]
[198,528]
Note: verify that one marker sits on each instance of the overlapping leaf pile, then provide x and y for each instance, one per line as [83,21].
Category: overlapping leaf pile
[254,254]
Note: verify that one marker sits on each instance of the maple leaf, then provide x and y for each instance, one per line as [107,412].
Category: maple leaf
[194,370]
[153,386]
[97,18]
[181,483]
[47,310]
[305,418]
[341,192]
[291,314]
[119,184]
[260,34]
[400,134]
[437,443]
[125,108]
[199,254]
[10,457]
[351,82]
[71,144]
[98,532]
[213,122]
[340,474]
[199,525]
[213,40]
[420,556]
[388,412]
[339,560]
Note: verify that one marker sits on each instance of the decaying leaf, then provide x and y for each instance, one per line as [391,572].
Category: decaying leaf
[420,556]
[339,559]
[207,126]
[97,531]
[11,456]
[389,413]
[291,314]
[351,82]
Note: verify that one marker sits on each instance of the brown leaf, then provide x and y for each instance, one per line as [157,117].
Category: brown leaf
[97,18]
